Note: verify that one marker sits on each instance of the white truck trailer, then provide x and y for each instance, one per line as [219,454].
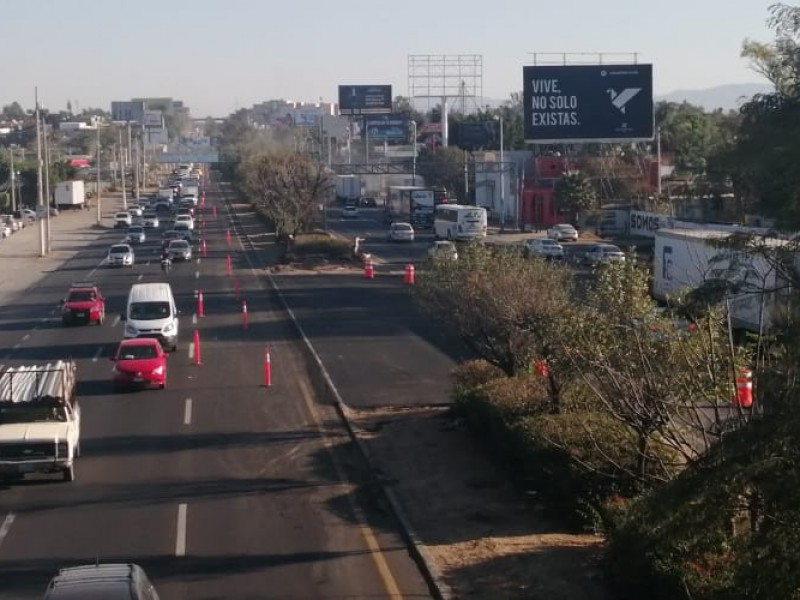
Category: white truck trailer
[70,194]
[684,259]
[40,420]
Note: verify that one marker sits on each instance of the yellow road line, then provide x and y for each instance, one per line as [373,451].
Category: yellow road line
[378,557]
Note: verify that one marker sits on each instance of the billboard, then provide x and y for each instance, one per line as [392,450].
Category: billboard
[475,136]
[153,118]
[587,103]
[365,99]
[387,127]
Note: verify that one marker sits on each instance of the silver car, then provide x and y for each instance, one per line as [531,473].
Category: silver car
[545,248]
[563,233]
[443,250]
[150,220]
[120,255]
[604,254]
[179,250]
[401,232]
[135,235]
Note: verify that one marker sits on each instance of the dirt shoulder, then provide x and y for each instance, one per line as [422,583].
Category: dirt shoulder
[485,538]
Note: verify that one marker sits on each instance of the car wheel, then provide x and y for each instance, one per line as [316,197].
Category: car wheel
[68,474]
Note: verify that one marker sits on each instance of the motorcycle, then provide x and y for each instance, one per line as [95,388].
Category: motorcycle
[166,264]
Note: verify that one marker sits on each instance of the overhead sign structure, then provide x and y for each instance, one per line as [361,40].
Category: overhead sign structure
[387,127]
[153,118]
[587,103]
[210,156]
[365,99]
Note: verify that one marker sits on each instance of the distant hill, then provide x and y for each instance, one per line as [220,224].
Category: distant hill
[727,97]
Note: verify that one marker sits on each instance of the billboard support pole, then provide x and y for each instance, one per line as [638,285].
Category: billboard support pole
[414,160]
[502,179]
[445,128]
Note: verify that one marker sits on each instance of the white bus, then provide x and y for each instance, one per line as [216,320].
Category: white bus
[459,222]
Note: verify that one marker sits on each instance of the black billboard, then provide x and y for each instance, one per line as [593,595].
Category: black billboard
[365,99]
[477,135]
[587,103]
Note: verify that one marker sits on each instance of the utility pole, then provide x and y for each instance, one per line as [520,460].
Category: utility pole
[466,178]
[130,151]
[136,167]
[99,210]
[122,172]
[13,177]
[47,181]
[39,190]
[414,160]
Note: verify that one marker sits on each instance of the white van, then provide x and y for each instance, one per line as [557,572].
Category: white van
[151,312]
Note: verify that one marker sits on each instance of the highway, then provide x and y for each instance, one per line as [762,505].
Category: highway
[219,487]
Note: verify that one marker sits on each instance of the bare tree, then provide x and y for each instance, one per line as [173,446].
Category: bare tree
[505,307]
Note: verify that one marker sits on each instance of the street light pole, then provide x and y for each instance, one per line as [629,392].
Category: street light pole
[47,181]
[13,177]
[122,172]
[502,179]
[39,190]
[414,160]
[99,210]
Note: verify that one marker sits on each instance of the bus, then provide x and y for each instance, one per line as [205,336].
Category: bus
[459,222]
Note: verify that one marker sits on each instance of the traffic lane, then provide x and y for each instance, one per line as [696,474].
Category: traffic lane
[372,228]
[288,526]
[117,482]
[379,349]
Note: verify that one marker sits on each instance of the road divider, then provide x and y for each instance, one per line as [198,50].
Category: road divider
[229,265]
[244,314]
[200,307]
[408,275]
[267,368]
[194,348]
[6,525]
[369,269]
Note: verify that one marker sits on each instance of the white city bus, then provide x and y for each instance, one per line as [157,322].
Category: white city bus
[459,222]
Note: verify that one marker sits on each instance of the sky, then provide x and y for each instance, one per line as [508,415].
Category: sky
[220,56]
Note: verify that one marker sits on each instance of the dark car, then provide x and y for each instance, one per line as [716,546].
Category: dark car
[169,236]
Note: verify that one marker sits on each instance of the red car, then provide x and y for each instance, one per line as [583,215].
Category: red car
[84,303]
[139,362]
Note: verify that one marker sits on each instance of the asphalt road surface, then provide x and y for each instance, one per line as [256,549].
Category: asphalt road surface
[217,486]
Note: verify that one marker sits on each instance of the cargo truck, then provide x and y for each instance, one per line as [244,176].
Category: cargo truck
[348,188]
[70,194]
[410,204]
[39,420]
[685,259]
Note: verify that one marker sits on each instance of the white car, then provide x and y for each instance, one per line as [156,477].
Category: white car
[350,212]
[5,230]
[604,254]
[29,214]
[401,232]
[443,250]
[120,255]
[544,248]
[123,219]
[189,198]
[150,220]
[563,233]
[135,210]
[185,219]
[179,250]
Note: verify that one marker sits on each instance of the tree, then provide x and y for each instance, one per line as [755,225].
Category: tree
[574,193]
[287,187]
[669,384]
[403,105]
[443,167]
[507,308]
[14,111]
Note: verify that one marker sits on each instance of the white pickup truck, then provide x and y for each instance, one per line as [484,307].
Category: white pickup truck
[40,420]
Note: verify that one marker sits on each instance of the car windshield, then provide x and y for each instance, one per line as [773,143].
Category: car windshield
[122,215]
[135,230]
[547,243]
[30,412]
[610,249]
[119,249]
[179,245]
[137,352]
[149,215]
[181,227]
[145,311]
[80,296]
[403,227]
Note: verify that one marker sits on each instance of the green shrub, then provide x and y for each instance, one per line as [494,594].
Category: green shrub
[318,245]
[473,373]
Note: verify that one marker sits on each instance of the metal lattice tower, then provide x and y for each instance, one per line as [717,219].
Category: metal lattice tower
[446,77]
